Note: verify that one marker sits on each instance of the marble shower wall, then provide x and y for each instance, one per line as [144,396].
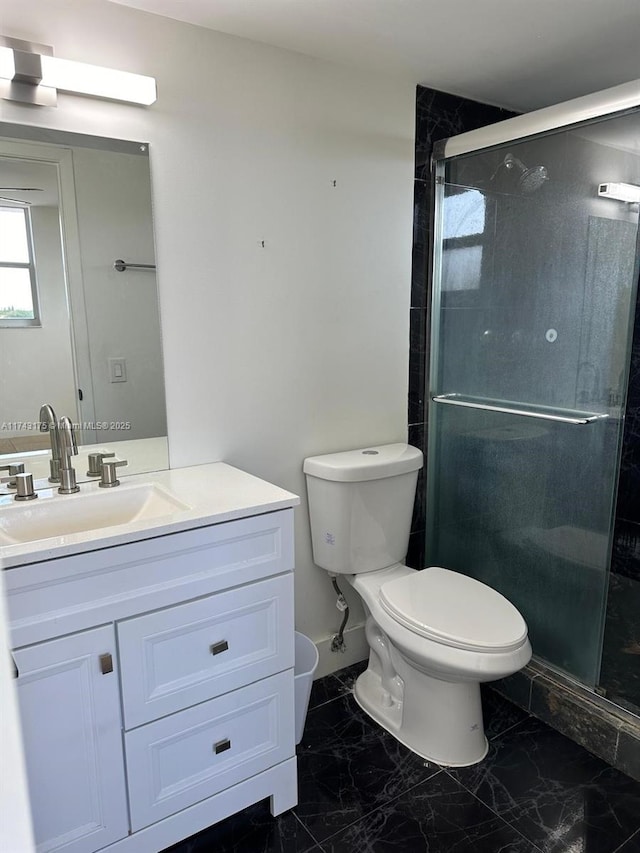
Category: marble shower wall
[438,116]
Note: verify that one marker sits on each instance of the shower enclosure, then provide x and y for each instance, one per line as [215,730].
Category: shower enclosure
[534,295]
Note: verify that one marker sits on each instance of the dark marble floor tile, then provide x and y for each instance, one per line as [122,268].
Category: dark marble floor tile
[631,846]
[348,766]
[324,690]
[437,816]
[554,792]
[349,674]
[253,830]
[499,713]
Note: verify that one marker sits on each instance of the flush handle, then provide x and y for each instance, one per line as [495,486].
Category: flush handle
[222,746]
[217,648]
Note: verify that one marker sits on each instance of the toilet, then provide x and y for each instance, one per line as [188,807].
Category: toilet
[434,635]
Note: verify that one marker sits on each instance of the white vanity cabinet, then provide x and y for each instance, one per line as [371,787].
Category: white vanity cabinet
[70,717]
[155,684]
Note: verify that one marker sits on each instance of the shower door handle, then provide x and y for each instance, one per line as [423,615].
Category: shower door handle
[579,418]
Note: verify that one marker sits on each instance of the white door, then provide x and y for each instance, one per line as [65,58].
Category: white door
[71,726]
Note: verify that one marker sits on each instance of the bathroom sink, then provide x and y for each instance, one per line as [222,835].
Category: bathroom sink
[56,515]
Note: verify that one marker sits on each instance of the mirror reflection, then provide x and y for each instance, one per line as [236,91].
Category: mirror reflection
[77,331]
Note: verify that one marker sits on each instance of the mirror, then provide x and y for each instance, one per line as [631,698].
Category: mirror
[77,329]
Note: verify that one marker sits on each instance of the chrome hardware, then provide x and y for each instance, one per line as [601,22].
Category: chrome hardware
[68,485]
[217,648]
[106,664]
[24,487]
[122,266]
[17,468]
[109,479]
[540,414]
[49,423]
[222,746]
[95,463]
[68,448]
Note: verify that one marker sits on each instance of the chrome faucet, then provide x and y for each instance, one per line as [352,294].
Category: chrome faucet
[68,448]
[48,423]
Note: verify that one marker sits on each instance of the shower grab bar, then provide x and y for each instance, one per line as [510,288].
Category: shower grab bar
[459,400]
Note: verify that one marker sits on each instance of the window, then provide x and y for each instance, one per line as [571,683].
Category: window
[463,225]
[18,295]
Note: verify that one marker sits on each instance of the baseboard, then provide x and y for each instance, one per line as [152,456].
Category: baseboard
[355,649]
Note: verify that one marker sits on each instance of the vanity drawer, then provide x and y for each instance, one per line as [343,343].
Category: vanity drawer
[183,759]
[174,658]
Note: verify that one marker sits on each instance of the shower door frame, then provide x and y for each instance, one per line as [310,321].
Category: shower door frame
[614,102]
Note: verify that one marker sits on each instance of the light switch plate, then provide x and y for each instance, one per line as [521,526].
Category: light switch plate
[118,369]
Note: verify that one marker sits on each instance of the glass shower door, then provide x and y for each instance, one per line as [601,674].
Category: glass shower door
[533,288]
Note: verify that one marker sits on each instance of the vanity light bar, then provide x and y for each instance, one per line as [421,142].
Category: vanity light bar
[7,64]
[620,191]
[30,77]
[84,79]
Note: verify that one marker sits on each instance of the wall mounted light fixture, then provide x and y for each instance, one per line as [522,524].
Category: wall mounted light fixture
[29,73]
[620,191]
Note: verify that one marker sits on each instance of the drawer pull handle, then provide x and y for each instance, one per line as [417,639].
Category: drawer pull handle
[106,664]
[222,746]
[216,648]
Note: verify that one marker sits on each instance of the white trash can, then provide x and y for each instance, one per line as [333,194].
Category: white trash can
[306,663]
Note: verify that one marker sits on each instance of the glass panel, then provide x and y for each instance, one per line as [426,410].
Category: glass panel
[513,504]
[14,247]
[532,310]
[16,298]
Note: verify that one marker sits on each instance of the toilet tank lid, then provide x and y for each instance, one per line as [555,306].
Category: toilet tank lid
[369,463]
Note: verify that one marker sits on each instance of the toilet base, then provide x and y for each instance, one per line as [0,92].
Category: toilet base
[438,720]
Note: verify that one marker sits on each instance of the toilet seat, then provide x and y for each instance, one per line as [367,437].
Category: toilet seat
[454,610]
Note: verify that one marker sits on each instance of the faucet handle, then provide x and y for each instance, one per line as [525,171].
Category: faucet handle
[109,478]
[15,468]
[24,486]
[95,463]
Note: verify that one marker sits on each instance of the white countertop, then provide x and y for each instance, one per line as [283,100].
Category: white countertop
[212,493]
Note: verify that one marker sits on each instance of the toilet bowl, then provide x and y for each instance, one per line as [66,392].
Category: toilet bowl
[434,635]
[445,634]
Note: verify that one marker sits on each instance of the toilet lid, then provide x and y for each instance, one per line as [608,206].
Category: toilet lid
[455,610]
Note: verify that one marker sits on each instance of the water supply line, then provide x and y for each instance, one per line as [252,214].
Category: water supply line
[337,641]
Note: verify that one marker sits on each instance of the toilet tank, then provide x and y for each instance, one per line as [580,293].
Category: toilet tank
[360,506]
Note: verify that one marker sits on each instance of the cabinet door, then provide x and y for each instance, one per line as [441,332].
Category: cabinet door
[71,726]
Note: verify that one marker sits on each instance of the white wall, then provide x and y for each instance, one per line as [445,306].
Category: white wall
[274,353]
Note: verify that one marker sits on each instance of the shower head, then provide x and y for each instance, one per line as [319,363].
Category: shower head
[529,179]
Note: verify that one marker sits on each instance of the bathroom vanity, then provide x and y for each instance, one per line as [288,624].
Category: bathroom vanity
[153,640]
